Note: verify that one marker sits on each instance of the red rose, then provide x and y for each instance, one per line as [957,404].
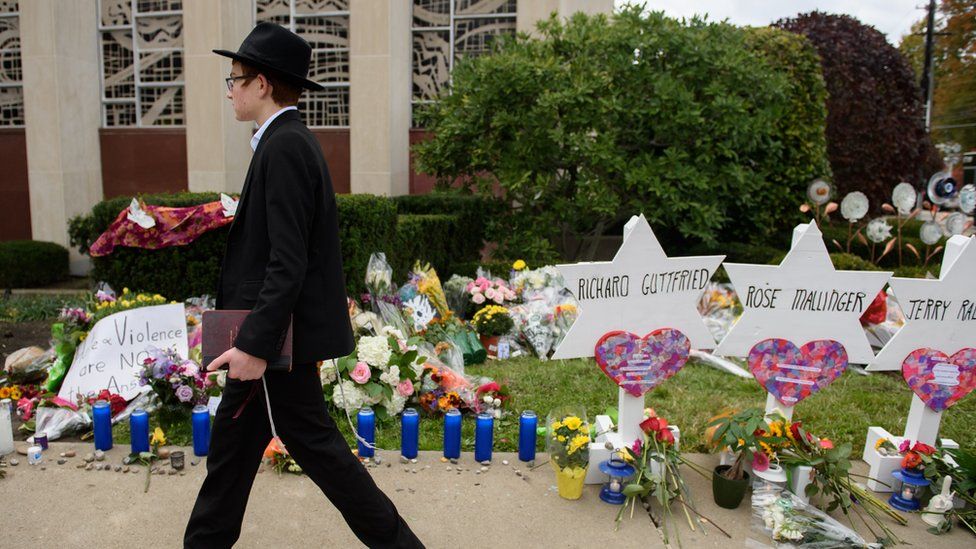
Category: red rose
[795,431]
[665,436]
[922,448]
[663,424]
[649,425]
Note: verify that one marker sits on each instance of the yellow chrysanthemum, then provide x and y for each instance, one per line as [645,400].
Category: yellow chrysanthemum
[573,423]
[518,265]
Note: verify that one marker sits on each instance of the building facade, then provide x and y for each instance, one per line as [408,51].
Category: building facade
[104,98]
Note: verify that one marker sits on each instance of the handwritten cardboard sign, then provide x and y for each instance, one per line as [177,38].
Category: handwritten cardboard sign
[111,356]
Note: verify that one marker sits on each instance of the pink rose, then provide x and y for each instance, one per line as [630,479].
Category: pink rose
[499,298]
[478,299]
[405,388]
[490,293]
[360,374]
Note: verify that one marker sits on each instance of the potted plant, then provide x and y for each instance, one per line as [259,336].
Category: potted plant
[736,432]
[491,322]
[568,444]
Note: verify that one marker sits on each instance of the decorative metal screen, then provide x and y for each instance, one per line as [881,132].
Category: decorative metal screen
[445,30]
[11,74]
[142,62]
[325,25]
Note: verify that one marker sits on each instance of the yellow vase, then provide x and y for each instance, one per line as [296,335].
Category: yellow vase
[569,481]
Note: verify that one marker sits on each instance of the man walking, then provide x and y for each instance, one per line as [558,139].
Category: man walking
[283,263]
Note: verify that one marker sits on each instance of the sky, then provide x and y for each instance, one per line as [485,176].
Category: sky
[892,17]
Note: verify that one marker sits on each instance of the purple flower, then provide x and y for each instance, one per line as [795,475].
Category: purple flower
[184,393]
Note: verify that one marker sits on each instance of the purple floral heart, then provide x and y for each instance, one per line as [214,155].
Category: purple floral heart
[940,380]
[792,374]
[638,364]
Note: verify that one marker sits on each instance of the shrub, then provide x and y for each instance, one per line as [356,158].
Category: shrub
[875,121]
[604,117]
[32,263]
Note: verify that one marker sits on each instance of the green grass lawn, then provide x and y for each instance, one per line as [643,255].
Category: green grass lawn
[842,412]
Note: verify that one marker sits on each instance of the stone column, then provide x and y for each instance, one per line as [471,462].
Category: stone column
[379,96]
[62,111]
[530,12]
[217,149]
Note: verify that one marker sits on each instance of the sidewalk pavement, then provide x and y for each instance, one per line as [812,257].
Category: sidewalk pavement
[446,505]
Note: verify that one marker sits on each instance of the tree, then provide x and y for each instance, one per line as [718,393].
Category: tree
[876,134]
[604,117]
[954,61]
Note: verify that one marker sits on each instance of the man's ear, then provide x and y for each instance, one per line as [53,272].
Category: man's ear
[265,85]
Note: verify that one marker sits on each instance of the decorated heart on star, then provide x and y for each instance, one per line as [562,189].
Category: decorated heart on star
[792,373]
[938,379]
[639,364]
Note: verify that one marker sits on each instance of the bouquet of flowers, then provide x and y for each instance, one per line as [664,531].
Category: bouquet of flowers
[456,337]
[658,477]
[790,522]
[832,477]
[492,397]
[568,443]
[67,332]
[458,298]
[441,389]
[424,278]
[105,303]
[382,293]
[116,403]
[563,317]
[482,290]
[492,321]
[279,459]
[527,283]
[178,383]
[381,373]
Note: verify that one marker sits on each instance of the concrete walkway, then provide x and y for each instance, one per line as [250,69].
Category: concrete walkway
[64,506]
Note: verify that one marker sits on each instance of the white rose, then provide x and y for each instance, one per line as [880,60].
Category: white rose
[327,373]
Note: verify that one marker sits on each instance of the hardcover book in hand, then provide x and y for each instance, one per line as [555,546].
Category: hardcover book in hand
[220,328]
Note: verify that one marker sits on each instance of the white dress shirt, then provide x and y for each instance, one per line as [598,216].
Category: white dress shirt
[256,138]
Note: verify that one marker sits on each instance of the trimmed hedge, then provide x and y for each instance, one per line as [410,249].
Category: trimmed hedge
[32,263]
[443,230]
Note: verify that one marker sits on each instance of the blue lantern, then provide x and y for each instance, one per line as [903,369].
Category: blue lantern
[618,470]
[912,481]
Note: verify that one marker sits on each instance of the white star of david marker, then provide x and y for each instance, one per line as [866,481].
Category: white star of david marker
[939,313]
[802,299]
[640,291]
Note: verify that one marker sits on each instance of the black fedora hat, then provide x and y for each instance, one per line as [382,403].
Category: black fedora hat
[276,49]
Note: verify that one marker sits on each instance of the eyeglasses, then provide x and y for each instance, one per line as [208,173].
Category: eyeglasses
[230,80]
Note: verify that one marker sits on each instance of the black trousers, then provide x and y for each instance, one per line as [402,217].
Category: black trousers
[310,435]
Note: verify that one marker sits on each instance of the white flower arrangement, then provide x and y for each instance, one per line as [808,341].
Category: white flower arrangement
[375,351]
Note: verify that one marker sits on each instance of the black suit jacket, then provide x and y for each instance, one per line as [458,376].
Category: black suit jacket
[282,258]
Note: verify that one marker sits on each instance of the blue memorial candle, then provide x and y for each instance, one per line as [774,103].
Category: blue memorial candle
[452,434]
[528,423]
[409,433]
[366,427]
[139,429]
[200,421]
[484,430]
[102,419]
